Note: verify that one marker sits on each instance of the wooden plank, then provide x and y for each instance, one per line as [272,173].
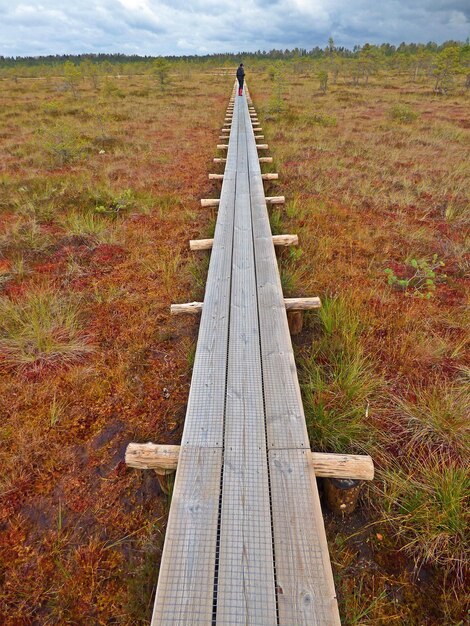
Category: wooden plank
[185,584]
[206,402]
[285,420]
[245,589]
[204,416]
[306,594]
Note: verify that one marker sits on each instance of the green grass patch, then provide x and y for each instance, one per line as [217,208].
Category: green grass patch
[403,114]
[339,382]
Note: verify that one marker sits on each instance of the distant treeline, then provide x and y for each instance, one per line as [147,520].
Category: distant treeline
[388,50]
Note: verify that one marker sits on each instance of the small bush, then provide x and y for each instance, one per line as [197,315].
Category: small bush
[64,144]
[422,281]
[403,114]
[117,204]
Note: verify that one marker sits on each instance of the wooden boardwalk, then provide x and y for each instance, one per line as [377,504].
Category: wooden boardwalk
[245,542]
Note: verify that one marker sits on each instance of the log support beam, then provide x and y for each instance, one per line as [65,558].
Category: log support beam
[214,202]
[291,304]
[164,459]
[269,176]
[278,240]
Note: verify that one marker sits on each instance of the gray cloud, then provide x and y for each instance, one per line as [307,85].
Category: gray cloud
[206,26]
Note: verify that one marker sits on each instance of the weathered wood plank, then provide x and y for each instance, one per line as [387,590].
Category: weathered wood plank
[306,594]
[204,416]
[185,584]
[285,420]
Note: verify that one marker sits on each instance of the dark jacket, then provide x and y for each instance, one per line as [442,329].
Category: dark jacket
[240,73]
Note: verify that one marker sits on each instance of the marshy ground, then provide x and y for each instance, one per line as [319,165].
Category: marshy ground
[99,196]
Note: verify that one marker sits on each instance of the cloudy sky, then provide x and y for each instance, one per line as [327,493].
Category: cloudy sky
[206,26]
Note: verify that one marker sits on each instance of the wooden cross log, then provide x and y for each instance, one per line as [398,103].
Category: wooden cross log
[219,160]
[211,202]
[188,307]
[222,146]
[259,136]
[265,159]
[302,304]
[268,176]
[291,304]
[278,240]
[262,146]
[275,199]
[164,459]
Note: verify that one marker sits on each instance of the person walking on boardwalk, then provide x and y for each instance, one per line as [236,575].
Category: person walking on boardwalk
[241,78]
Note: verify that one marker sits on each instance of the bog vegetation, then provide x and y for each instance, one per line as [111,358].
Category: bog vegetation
[103,160]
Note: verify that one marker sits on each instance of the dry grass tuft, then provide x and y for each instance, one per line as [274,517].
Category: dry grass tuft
[429,510]
[42,330]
